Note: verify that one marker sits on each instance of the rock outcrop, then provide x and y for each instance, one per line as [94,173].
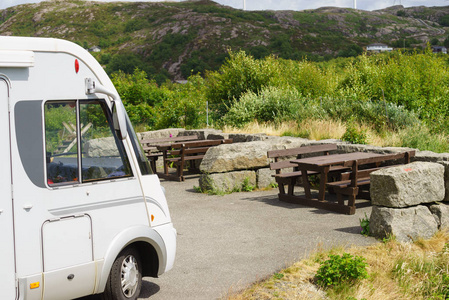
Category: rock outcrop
[408,185]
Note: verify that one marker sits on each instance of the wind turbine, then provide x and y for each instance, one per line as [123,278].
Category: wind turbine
[244,4]
[355,4]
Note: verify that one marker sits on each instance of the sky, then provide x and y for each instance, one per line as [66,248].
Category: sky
[289,4]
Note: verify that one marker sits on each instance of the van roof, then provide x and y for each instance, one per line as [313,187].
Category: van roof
[38,44]
[19,52]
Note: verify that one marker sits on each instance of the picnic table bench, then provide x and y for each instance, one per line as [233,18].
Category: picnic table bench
[350,181]
[151,151]
[291,178]
[178,154]
[353,182]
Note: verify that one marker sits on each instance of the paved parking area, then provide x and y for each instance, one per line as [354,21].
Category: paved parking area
[227,242]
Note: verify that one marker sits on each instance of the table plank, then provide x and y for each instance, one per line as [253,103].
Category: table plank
[334,159]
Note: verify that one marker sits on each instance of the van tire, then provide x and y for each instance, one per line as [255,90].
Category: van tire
[127,268]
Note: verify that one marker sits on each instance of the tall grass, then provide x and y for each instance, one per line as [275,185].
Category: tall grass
[396,271]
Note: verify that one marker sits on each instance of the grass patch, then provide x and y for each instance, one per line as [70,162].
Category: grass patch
[395,271]
[418,136]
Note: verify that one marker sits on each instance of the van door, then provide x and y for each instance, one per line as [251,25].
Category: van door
[7,277]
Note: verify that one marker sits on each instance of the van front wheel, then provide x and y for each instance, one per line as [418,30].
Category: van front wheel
[125,279]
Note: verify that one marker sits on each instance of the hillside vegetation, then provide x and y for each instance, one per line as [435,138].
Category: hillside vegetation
[269,67]
[400,99]
[177,39]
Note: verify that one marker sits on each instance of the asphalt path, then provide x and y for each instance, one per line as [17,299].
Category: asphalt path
[225,243]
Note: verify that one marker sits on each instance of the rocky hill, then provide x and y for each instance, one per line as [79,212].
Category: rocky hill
[175,39]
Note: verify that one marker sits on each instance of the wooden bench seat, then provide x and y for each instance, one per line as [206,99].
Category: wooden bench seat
[357,180]
[181,153]
[291,178]
[151,151]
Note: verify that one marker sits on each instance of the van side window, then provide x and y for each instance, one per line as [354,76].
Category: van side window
[81,144]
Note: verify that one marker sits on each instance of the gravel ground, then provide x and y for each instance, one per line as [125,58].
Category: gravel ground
[225,243]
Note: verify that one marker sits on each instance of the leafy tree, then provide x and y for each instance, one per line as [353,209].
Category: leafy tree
[351,51]
[186,106]
[434,42]
[444,20]
[446,42]
[139,95]
[239,74]
[126,63]
[401,13]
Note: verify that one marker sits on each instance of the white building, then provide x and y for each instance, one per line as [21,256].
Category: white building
[378,47]
[439,49]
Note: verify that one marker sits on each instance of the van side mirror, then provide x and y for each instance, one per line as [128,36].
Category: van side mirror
[118,110]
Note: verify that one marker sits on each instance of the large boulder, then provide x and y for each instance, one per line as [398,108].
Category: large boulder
[408,185]
[265,178]
[101,147]
[162,133]
[227,182]
[406,224]
[344,147]
[430,156]
[203,134]
[445,164]
[244,138]
[239,137]
[441,214]
[245,156]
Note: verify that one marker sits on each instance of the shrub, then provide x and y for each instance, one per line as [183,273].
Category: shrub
[239,74]
[271,104]
[185,106]
[379,114]
[354,135]
[345,269]
[364,225]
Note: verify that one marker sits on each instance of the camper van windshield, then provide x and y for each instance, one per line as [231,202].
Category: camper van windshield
[81,143]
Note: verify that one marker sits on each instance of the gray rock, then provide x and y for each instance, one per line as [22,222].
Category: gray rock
[202,134]
[406,224]
[101,147]
[244,156]
[244,138]
[430,156]
[163,133]
[408,185]
[441,214]
[264,178]
[218,136]
[445,164]
[227,182]
[348,148]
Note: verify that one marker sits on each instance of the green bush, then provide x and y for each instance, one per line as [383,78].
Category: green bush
[364,225]
[379,114]
[185,106]
[354,135]
[239,74]
[270,104]
[338,270]
[418,82]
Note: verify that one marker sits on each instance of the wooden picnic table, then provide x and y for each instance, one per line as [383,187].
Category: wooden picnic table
[149,145]
[182,152]
[322,165]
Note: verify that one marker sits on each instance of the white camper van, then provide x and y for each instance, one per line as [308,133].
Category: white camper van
[80,211]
